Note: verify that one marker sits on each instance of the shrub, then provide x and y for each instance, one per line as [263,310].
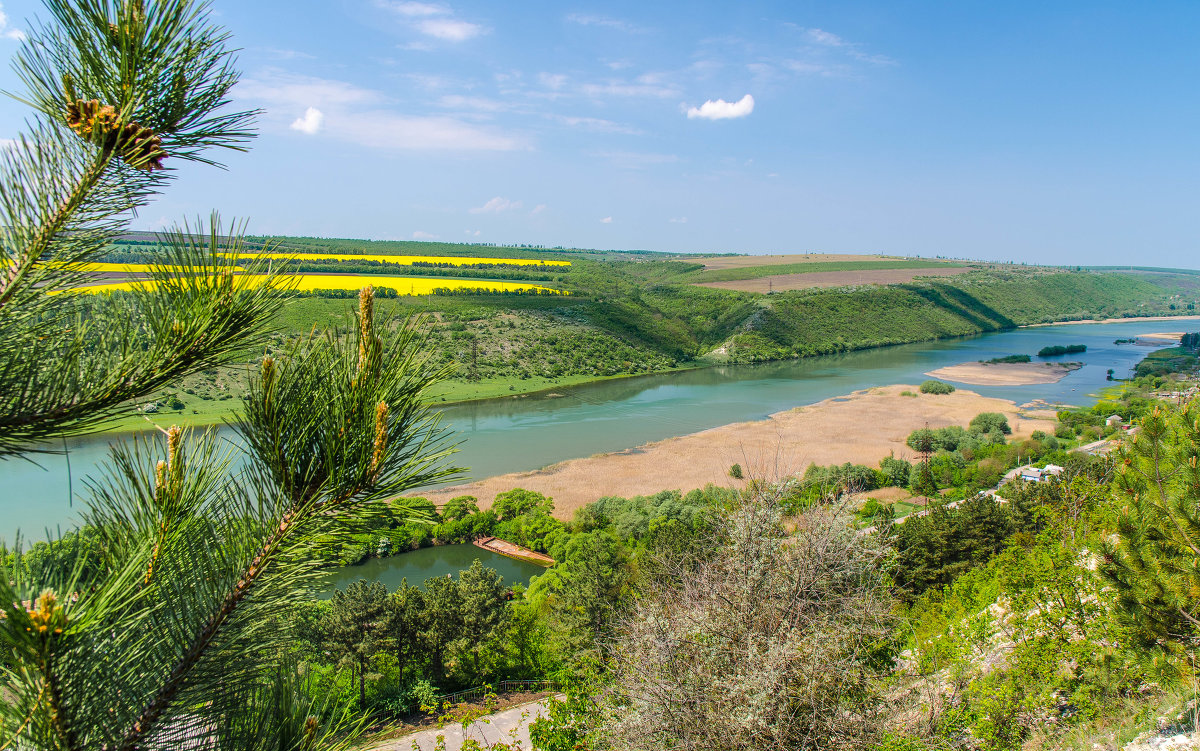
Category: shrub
[987,422]
[936,387]
[736,471]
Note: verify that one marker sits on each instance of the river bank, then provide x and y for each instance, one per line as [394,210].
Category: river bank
[502,390]
[862,428]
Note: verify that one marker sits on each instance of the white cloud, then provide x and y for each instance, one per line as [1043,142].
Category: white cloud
[496,205]
[412,9]
[647,86]
[598,125]
[449,29]
[361,116]
[538,209]
[472,234]
[552,80]
[389,130]
[473,103]
[825,38]
[606,220]
[419,235]
[6,32]
[678,220]
[584,19]
[310,122]
[722,110]
[829,39]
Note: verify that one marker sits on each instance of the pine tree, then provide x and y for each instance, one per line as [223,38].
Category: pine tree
[170,630]
[1155,563]
[356,627]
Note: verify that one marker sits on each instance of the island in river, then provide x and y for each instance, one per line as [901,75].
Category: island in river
[1005,373]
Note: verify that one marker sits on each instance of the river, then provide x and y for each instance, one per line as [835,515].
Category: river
[526,433]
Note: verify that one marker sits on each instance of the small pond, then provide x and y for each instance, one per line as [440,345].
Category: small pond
[426,563]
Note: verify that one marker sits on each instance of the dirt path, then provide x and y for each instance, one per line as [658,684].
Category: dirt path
[509,726]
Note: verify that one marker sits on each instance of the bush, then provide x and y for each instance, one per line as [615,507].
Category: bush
[987,422]
[936,387]
[736,471]
[1058,349]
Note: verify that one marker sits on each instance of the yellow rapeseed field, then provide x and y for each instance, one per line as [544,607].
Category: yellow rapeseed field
[404,285]
[410,260]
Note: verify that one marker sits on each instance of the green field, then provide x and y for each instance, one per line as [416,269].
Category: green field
[633,313]
[758,272]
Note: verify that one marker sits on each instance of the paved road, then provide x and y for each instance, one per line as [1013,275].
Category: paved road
[509,725]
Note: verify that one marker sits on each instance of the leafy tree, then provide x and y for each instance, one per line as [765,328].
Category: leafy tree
[443,621]
[896,471]
[517,501]
[407,624]
[1153,564]
[177,641]
[585,590]
[987,422]
[355,627]
[460,507]
[485,615]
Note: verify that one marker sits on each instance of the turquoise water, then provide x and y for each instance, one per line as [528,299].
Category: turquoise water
[428,563]
[526,433]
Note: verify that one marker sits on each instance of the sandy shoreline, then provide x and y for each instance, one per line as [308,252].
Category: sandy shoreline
[1112,320]
[862,428]
[1005,373]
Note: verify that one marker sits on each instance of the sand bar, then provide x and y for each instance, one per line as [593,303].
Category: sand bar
[862,428]
[1131,319]
[1005,373]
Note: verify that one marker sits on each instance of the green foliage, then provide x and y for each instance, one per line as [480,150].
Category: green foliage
[460,507]
[1152,566]
[936,387]
[513,503]
[735,471]
[987,422]
[1008,359]
[896,471]
[935,549]
[1059,349]
[355,627]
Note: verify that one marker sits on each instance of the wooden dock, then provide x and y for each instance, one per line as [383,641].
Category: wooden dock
[504,547]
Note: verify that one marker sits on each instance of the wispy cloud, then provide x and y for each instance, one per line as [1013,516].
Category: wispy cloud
[606,220]
[310,122]
[419,235]
[449,29]
[678,220]
[433,20]
[823,38]
[598,125]
[538,209]
[587,19]
[412,9]
[720,109]
[363,116]
[7,32]
[652,85]
[496,206]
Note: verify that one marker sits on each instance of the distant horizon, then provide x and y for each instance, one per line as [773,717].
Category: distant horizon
[1058,134]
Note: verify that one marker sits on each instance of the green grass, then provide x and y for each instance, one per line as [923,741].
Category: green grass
[758,272]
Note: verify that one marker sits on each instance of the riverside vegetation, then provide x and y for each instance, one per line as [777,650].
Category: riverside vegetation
[181,614]
[960,620]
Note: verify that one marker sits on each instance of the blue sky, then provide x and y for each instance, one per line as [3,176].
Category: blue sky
[1043,132]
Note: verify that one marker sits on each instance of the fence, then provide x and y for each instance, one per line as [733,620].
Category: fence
[503,687]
